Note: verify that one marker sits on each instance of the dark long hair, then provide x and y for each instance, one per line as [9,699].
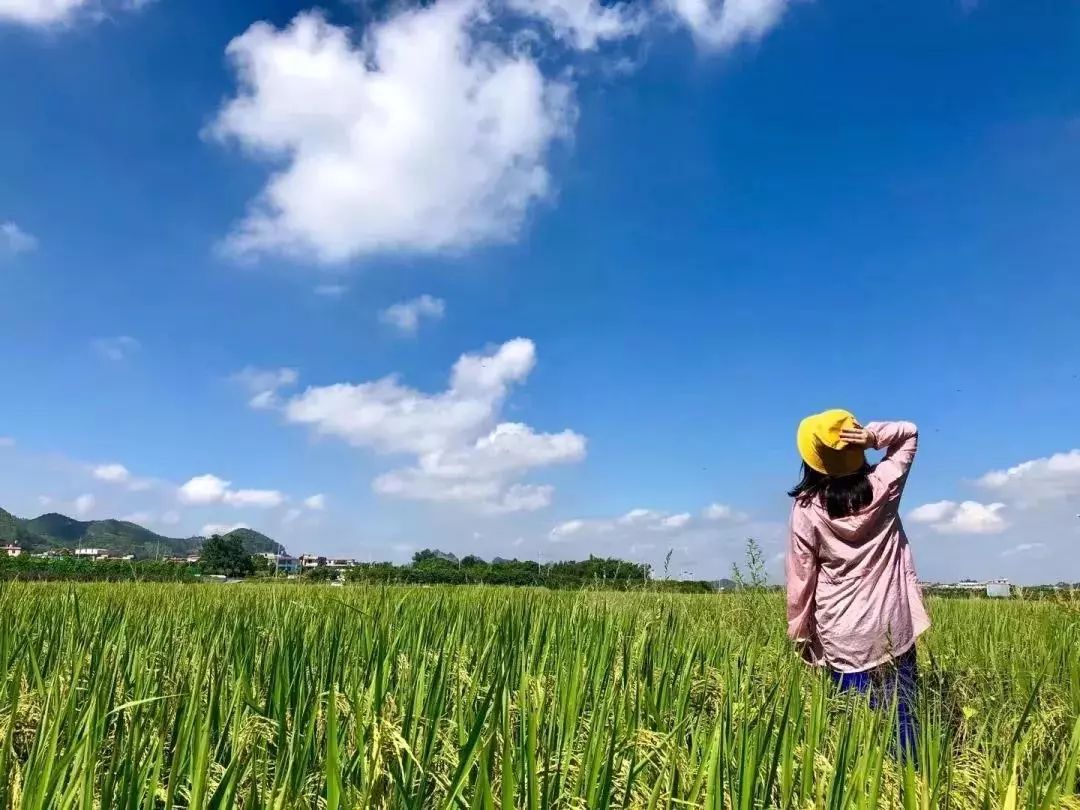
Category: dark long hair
[841,496]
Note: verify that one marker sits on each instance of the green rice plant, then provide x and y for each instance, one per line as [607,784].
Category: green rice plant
[275,696]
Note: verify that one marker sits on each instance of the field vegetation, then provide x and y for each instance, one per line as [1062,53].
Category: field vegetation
[148,695]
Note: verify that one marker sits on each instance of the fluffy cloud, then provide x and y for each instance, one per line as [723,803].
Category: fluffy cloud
[966,517]
[117,349]
[365,171]
[392,418]
[632,522]
[584,24]
[264,384]
[406,316]
[140,518]
[221,528]
[463,454]
[119,474]
[1041,479]
[39,12]
[316,502]
[83,504]
[675,521]
[567,530]
[13,239]
[112,473]
[1032,518]
[43,13]
[203,489]
[722,24]
[723,512]
[259,498]
[208,489]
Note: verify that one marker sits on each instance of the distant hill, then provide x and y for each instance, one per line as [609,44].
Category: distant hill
[118,537]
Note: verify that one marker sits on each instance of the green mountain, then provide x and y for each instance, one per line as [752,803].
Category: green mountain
[12,530]
[117,537]
[255,542]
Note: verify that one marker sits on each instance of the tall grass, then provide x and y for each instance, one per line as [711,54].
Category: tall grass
[161,696]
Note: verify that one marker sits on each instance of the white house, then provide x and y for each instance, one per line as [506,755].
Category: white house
[340,562]
[281,563]
[91,552]
[10,550]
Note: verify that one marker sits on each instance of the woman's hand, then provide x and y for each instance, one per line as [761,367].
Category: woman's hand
[858,436]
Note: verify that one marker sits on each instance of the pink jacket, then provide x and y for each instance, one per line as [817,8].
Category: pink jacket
[852,598]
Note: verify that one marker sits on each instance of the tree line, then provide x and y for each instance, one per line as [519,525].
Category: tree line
[227,556]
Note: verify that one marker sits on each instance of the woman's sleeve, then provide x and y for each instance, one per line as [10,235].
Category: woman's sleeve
[900,441]
[802,572]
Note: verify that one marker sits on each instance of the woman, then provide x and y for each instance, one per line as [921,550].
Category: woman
[853,602]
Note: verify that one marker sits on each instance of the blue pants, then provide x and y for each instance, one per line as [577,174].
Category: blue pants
[894,681]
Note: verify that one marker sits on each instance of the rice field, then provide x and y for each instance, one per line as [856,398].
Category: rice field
[276,696]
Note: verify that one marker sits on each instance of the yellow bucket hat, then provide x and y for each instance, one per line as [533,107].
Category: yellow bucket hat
[821,447]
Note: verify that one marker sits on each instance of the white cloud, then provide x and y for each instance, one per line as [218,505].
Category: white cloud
[7,441]
[203,489]
[258,498]
[316,502]
[462,453]
[83,505]
[966,517]
[39,12]
[45,13]
[13,239]
[221,528]
[392,418]
[1041,479]
[141,518]
[932,512]
[675,521]
[264,384]
[1024,548]
[170,518]
[117,349]
[566,530]
[972,517]
[291,515]
[585,23]
[44,500]
[521,498]
[331,290]
[206,489]
[112,473]
[365,170]
[119,474]
[722,24]
[654,521]
[636,522]
[723,512]
[406,316]
[639,516]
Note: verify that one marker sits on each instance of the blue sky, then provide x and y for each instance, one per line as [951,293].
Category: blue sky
[236,276]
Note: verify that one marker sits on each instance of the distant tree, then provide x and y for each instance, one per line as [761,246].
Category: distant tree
[226,555]
[320,573]
[261,566]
